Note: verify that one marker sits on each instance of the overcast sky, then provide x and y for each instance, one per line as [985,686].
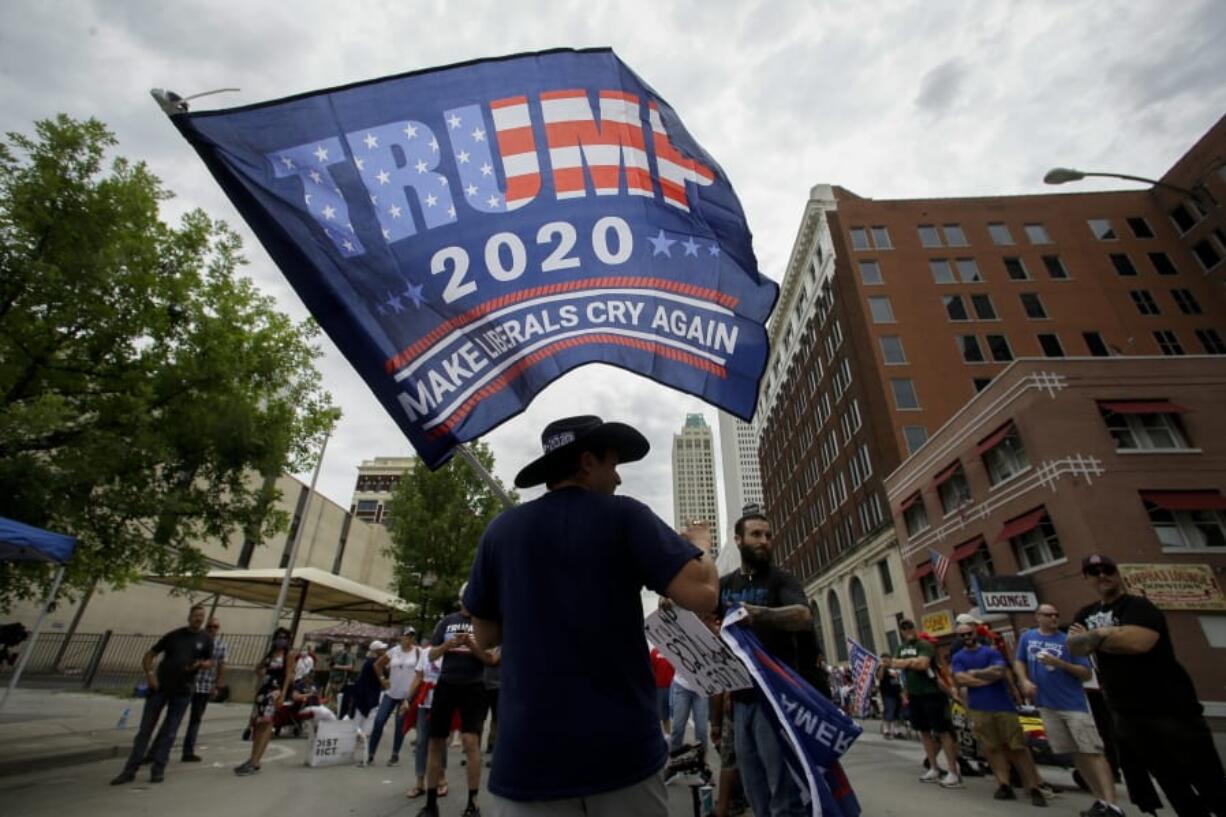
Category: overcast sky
[891,100]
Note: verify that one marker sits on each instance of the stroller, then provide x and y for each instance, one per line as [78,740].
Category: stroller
[303,694]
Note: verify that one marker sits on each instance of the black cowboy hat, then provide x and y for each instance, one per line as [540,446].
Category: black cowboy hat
[562,438]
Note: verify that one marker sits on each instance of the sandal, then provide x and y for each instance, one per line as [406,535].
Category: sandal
[415,792]
[441,791]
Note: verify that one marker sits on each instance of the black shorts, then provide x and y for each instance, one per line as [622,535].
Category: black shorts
[469,699]
[930,713]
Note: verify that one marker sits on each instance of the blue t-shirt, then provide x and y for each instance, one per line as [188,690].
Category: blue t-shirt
[1057,688]
[993,697]
[564,573]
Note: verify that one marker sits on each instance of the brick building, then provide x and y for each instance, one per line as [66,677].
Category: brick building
[1058,459]
[893,314]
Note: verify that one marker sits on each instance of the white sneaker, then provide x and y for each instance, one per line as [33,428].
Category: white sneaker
[930,776]
[951,781]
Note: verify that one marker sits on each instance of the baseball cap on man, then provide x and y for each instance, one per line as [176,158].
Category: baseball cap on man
[1097,559]
[967,619]
[377,645]
[562,438]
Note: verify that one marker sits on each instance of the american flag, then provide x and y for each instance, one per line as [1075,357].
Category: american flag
[940,564]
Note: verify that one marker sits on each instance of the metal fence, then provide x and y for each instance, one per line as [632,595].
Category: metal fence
[113,661]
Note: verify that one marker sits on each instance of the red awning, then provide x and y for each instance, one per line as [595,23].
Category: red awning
[1142,407]
[993,439]
[943,477]
[1022,524]
[920,572]
[966,549]
[1186,500]
[908,502]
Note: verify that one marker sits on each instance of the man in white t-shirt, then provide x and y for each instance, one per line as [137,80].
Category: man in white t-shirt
[400,671]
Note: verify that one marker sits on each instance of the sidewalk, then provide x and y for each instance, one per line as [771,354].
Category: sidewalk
[42,729]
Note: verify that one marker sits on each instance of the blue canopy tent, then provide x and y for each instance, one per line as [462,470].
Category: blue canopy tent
[25,543]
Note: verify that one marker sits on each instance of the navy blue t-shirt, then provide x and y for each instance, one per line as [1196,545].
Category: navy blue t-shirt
[563,574]
[993,697]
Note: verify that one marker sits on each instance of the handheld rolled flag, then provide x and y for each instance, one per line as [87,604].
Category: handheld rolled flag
[468,234]
[814,732]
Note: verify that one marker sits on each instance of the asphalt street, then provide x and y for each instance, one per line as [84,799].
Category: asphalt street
[884,774]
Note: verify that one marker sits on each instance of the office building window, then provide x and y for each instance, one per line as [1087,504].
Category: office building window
[891,350]
[1095,344]
[1181,525]
[1185,216]
[1055,267]
[859,238]
[1206,254]
[1211,341]
[1144,425]
[1032,305]
[1000,234]
[1162,263]
[881,238]
[1003,454]
[984,310]
[968,345]
[1186,301]
[998,345]
[955,308]
[928,235]
[883,575]
[977,563]
[932,589]
[915,437]
[952,488]
[1168,342]
[915,515]
[1038,546]
[904,393]
[1015,269]
[1050,344]
[881,309]
[1102,229]
[1123,264]
[1036,234]
[954,237]
[968,271]
[1143,301]
[870,273]
[942,273]
[1140,227]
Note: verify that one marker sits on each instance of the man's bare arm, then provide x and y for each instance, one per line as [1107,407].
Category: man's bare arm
[1126,639]
[793,618]
[487,632]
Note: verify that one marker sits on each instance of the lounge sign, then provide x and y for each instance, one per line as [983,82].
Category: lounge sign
[1006,594]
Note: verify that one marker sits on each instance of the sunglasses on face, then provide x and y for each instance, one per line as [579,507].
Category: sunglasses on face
[1052,613]
[965,636]
[1100,570]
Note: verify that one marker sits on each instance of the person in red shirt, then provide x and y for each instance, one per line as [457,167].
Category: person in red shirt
[664,679]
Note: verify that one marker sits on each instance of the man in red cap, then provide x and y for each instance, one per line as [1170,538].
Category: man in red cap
[559,580]
[1153,704]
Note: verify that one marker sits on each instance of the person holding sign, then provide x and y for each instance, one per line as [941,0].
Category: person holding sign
[781,619]
[572,564]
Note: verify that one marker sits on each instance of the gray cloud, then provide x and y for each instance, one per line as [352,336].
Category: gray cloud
[940,87]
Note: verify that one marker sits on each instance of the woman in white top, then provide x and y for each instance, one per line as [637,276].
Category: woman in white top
[403,664]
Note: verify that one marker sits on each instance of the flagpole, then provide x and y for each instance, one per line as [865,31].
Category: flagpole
[496,486]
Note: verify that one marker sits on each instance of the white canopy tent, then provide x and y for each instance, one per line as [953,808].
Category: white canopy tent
[311,590]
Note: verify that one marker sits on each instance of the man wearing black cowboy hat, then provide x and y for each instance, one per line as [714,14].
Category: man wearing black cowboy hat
[559,579]
[1154,707]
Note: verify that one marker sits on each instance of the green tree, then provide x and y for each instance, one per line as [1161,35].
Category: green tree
[437,518]
[144,385]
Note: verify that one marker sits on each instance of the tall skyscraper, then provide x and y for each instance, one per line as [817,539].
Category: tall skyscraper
[377,481]
[738,451]
[694,476]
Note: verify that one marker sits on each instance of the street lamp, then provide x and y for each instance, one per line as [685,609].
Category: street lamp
[1061,175]
[427,581]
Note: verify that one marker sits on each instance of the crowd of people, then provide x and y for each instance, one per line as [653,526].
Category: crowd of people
[588,728]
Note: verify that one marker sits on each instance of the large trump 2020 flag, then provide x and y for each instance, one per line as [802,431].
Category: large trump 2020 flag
[468,234]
